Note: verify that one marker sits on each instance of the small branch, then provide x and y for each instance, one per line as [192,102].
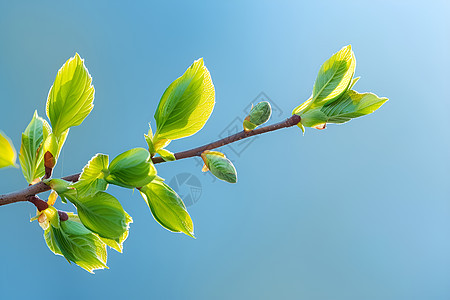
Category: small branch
[28,194]
[38,202]
[289,122]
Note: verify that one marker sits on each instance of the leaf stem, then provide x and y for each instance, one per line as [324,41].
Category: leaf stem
[29,193]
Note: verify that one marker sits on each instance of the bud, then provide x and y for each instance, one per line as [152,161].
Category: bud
[50,151]
[259,114]
[46,217]
[133,168]
[219,165]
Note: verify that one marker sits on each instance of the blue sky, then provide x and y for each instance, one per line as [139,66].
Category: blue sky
[356,211]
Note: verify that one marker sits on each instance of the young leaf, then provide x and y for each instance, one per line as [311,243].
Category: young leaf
[7,152]
[101,213]
[220,166]
[92,178]
[31,155]
[351,105]
[115,244]
[186,104]
[334,78]
[75,242]
[50,240]
[167,207]
[166,155]
[149,139]
[79,245]
[71,96]
[259,114]
[118,244]
[354,81]
[133,168]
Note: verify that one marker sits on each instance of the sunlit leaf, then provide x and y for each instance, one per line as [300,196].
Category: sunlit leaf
[115,244]
[92,177]
[351,105]
[118,244]
[101,212]
[76,243]
[7,152]
[220,166]
[334,78]
[258,115]
[149,140]
[167,207]
[186,104]
[71,97]
[31,155]
[166,155]
[133,168]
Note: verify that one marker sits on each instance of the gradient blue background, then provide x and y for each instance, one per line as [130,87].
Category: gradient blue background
[358,211]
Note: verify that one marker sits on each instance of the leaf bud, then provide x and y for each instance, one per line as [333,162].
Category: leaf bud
[259,114]
[219,165]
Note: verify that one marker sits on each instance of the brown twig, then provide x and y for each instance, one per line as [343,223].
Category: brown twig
[28,193]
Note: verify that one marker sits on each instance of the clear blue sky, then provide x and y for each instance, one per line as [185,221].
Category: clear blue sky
[357,211]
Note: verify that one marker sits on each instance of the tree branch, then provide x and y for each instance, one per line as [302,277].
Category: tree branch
[289,122]
[28,193]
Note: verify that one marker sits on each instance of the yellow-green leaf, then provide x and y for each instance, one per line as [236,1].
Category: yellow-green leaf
[71,97]
[101,213]
[31,155]
[166,155]
[7,152]
[133,168]
[349,106]
[167,207]
[186,104]
[115,244]
[220,166]
[92,178]
[75,242]
[334,78]
[118,243]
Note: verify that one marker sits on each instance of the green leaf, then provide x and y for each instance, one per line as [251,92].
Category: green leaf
[334,78]
[76,243]
[115,244]
[167,207]
[149,140]
[50,240]
[101,212]
[7,152]
[259,114]
[220,166]
[118,244]
[166,155]
[92,178]
[133,168]
[354,81]
[80,246]
[71,97]
[186,104]
[31,151]
[351,105]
